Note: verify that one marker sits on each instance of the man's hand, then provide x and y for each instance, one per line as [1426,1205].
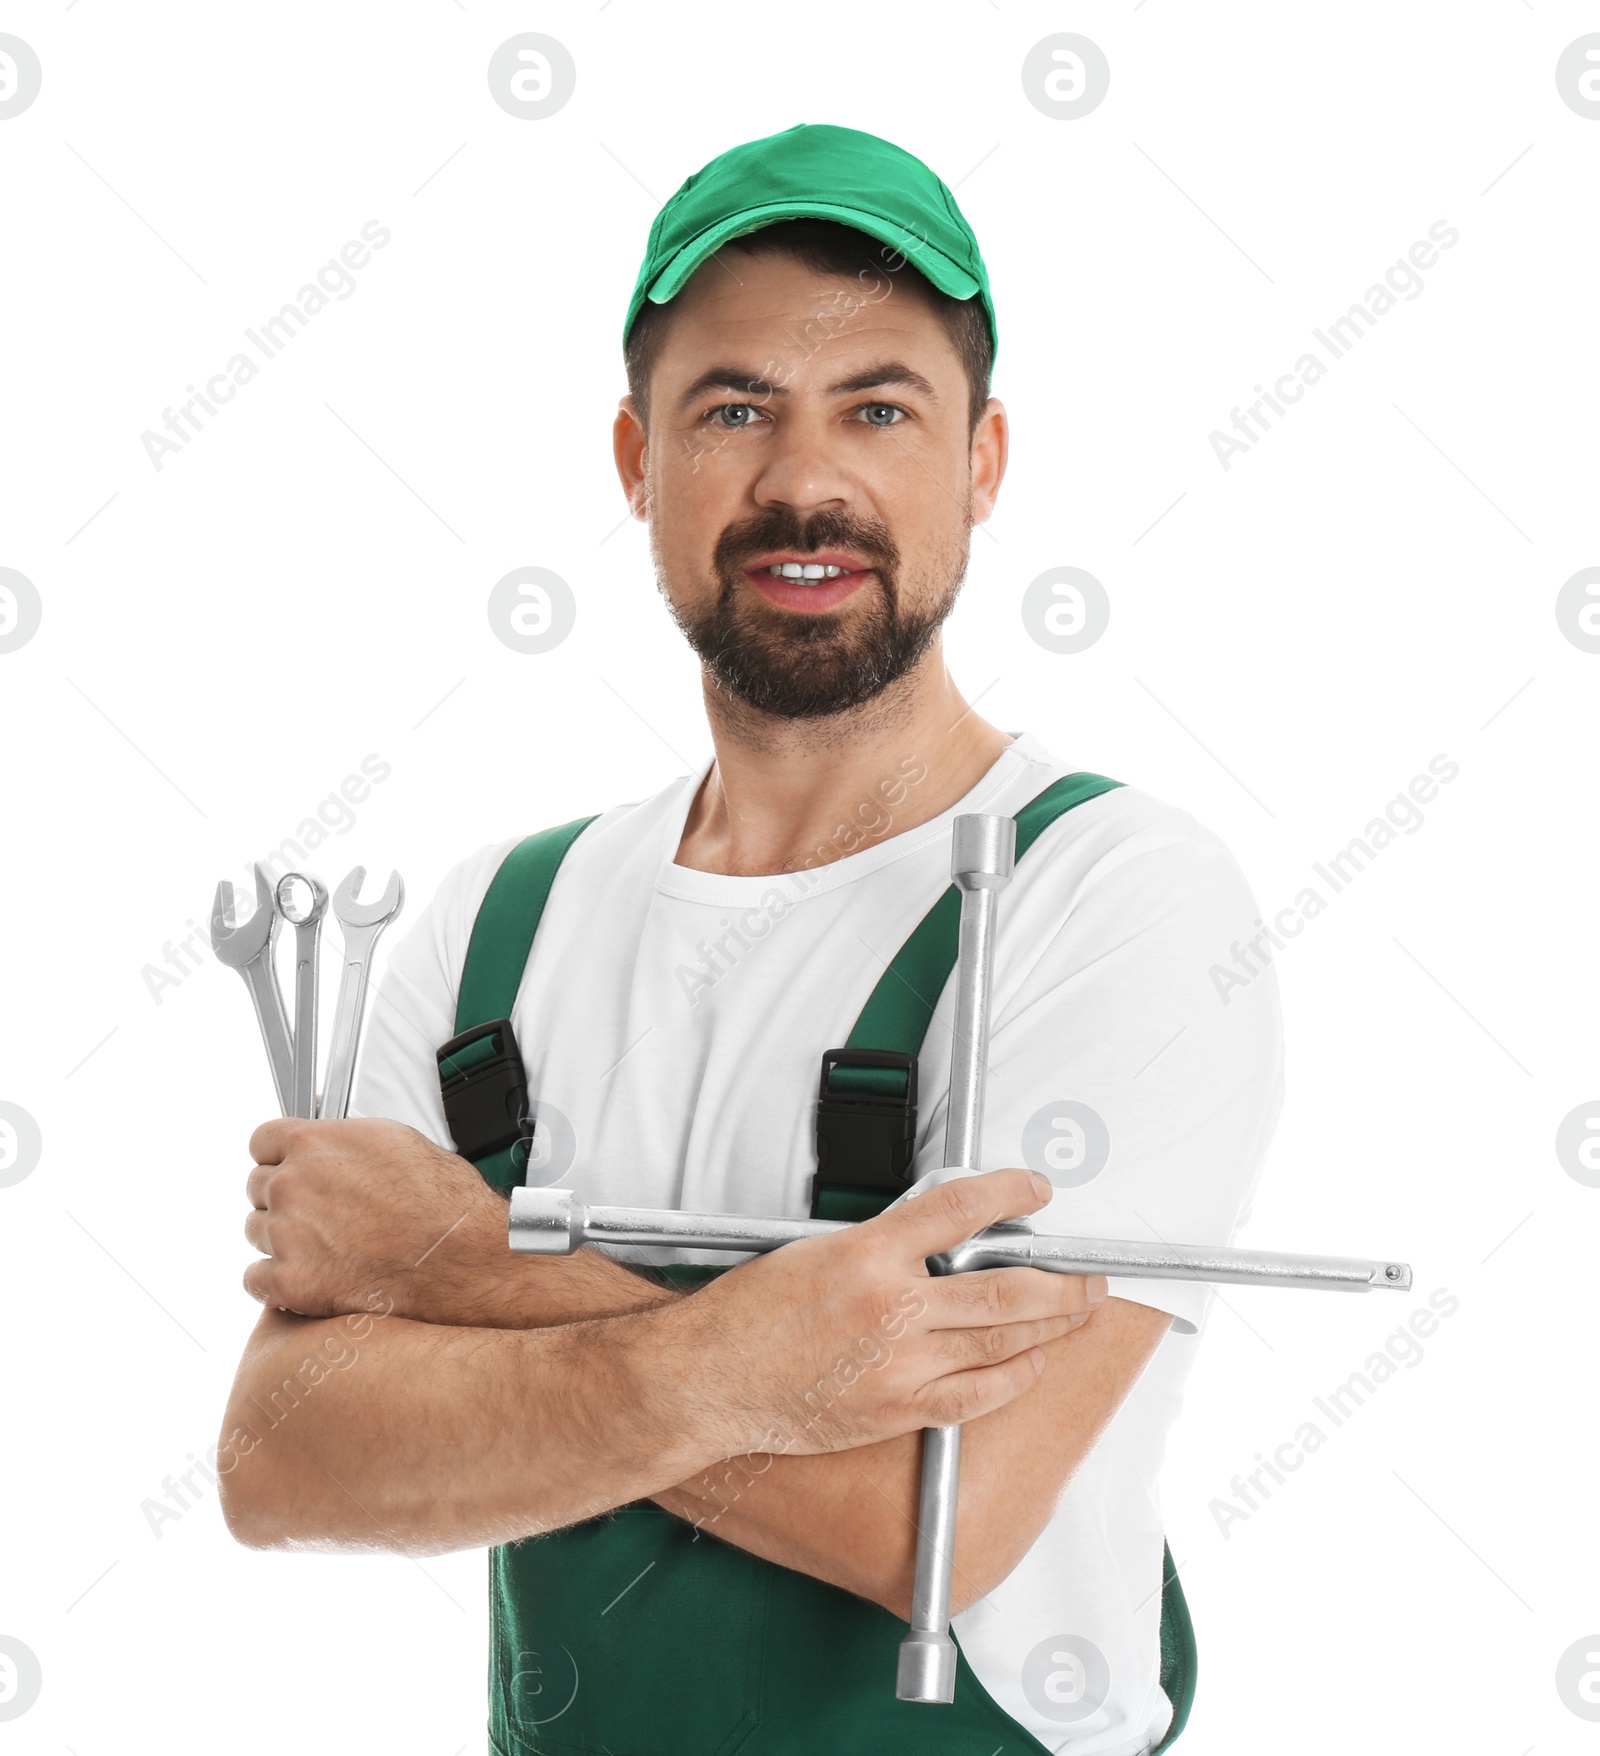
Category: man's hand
[344,1209]
[846,1339]
[447,1437]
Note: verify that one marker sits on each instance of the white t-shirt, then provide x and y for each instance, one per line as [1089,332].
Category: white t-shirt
[673,1022]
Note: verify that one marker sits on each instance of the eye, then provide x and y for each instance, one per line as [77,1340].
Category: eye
[740,414]
[882,414]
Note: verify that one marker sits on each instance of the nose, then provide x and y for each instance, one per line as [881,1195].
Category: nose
[803,472]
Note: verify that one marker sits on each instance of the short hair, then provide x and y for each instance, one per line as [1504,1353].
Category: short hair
[830,248]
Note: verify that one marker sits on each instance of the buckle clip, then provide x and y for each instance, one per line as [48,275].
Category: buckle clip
[866,1122]
[485,1089]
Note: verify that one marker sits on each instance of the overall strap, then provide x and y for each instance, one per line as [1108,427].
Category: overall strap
[895,1019]
[508,918]
[481,1074]
[900,1008]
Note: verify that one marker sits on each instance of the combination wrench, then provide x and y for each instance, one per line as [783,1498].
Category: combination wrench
[248,949]
[360,924]
[306,919]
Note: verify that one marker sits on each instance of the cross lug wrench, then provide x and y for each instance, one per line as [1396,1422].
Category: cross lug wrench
[982,857]
[555,1222]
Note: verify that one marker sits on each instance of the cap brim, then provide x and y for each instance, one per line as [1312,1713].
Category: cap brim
[949,277]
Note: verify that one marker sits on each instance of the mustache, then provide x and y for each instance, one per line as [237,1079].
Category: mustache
[782,529]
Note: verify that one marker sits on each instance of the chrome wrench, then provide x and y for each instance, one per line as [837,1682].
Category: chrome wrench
[248,949]
[360,924]
[554,1222]
[982,855]
[549,1221]
[306,919]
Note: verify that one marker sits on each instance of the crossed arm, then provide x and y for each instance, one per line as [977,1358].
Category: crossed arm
[432,1392]
[849,1517]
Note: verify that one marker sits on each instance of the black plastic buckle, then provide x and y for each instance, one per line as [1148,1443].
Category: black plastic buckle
[485,1089]
[865,1139]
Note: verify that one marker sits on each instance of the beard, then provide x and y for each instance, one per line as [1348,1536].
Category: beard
[796,665]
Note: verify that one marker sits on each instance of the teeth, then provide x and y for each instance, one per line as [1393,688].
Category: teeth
[804,570]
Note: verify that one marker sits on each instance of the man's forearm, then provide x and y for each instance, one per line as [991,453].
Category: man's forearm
[467,1423]
[382,1432]
[845,1517]
[849,1517]
[493,1289]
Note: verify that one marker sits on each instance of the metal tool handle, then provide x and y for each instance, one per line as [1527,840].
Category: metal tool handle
[360,925]
[267,999]
[982,857]
[347,1017]
[307,924]
[554,1222]
[305,1018]
[247,947]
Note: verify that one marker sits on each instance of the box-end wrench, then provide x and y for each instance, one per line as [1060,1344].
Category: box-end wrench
[306,919]
[248,949]
[360,924]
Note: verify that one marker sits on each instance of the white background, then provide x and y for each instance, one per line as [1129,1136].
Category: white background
[225,639]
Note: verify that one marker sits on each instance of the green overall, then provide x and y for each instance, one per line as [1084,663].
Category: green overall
[635,1635]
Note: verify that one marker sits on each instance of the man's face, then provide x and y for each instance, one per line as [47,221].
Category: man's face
[802,420]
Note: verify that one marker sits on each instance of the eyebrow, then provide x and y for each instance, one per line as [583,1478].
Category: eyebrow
[751,384]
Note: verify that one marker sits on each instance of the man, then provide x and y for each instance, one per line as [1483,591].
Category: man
[720,1479]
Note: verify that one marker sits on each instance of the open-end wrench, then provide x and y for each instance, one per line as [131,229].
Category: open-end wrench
[360,924]
[307,923]
[248,949]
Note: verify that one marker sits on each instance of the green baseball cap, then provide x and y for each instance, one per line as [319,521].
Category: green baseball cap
[814,171]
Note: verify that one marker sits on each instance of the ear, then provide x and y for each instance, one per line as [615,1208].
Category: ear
[629,448]
[991,446]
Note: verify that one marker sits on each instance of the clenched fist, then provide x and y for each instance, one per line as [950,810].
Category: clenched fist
[345,1210]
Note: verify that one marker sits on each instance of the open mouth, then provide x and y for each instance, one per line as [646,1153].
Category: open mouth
[805,570]
[810,585]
